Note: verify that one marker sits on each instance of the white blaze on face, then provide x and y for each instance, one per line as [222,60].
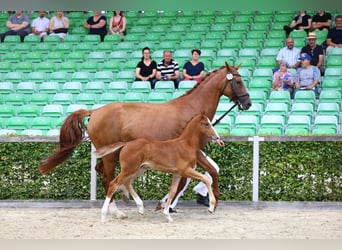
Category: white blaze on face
[216,134]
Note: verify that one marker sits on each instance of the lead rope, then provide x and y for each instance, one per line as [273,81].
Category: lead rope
[221,117]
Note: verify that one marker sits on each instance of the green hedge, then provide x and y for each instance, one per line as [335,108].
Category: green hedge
[289,171]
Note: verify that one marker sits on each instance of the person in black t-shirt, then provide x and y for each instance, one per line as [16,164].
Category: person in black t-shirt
[321,20]
[315,51]
[146,69]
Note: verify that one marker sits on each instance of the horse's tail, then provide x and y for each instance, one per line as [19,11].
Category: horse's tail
[109,149]
[71,134]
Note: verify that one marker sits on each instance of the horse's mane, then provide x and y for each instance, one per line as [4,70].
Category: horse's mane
[201,82]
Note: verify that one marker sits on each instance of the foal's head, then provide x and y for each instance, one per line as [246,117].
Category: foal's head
[204,127]
[235,88]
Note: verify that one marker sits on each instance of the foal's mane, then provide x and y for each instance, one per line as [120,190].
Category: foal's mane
[201,82]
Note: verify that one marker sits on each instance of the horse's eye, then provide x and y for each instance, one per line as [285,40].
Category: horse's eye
[238,82]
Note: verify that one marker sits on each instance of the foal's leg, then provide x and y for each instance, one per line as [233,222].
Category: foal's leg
[205,164]
[135,196]
[190,172]
[113,186]
[173,188]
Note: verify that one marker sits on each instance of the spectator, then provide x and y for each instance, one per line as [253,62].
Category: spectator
[40,26]
[168,69]
[321,20]
[302,21]
[334,37]
[289,54]
[308,76]
[146,69]
[59,25]
[18,24]
[283,79]
[117,24]
[315,51]
[194,69]
[97,24]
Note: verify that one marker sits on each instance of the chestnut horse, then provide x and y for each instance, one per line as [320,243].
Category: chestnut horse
[116,122]
[176,156]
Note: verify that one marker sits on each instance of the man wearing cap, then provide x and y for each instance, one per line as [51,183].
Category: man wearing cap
[308,76]
[315,51]
[334,37]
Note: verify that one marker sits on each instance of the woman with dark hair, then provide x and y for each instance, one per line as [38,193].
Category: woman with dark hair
[146,69]
[194,69]
[97,24]
[117,24]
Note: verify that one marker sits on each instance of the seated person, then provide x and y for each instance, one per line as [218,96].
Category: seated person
[117,24]
[59,25]
[321,20]
[40,25]
[334,37]
[315,50]
[194,69]
[308,76]
[18,24]
[97,24]
[146,69]
[301,21]
[282,79]
[290,54]
[168,69]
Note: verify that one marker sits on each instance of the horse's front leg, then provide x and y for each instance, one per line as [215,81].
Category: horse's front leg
[205,164]
[173,189]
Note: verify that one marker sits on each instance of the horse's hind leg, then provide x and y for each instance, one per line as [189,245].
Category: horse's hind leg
[172,193]
[135,196]
[113,186]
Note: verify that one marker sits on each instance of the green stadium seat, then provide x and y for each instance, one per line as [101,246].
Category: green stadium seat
[329,95]
[252,43]
[7,110]
[36,76]
[73,87]
[64,48]
[7,132]
[29,110]
[246,121]
[333,72]
[302,108]
[5,66]
[75,56]
[113,39]
[111,65]
[257,109]
[88,99]
[85,48]
[141,86]
[89,66]
[266,62]
[109,97]
[323,131]
[277,34]
[18,123]
[23,48]
[296,131]
[53,40]
[305,96]
[157,97]
[14,77]
[125,75]
[328,108]
[263,73]
[271,52]
[179,29]
[12,39]
[6,88]
[272,121]
[260,84]
[81,76]
[335,84]
[126,46]
[63,99]
[92,39]
[12,56]
[133,97]
[59,76]
[25,67]
[4,48]
[39,99]
[105,76]
[246,62]
[298,34]
[186,85]
[250,52]
[26,87]
[130,64]
[118,55]
[299,121]
[164,86]
[227,53]
[53,110]
[32,132]
[43,48]
[72,39]
[334,61]
[277,108]
[223,19]
[74,107]
[42,123]
[105,47]
[46,66]
[68,67]
[96,87]
[219,27]
[326,121]
[99,56]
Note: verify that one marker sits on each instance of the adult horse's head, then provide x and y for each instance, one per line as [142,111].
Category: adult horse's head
[235,89]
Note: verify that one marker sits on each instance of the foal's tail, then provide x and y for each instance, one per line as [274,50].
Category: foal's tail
[71,134]
[109,149]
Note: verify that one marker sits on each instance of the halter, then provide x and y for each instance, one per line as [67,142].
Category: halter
[229,79]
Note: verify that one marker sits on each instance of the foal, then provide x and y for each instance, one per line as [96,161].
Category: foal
[176,156]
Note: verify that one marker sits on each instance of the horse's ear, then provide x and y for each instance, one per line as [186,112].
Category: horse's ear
[238,66]
[227,65]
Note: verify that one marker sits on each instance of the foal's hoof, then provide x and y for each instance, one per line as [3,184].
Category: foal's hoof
[158,207]
[211,210]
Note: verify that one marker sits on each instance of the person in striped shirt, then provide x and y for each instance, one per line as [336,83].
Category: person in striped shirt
[289,54]
[168,69]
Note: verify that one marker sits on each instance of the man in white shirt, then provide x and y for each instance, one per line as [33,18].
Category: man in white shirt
[40,25]
[289,54]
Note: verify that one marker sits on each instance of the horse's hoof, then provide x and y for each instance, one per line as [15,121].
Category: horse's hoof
[158,207]
[125,199]
[103,218]
[141,212]
[169,219]
[211,210]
